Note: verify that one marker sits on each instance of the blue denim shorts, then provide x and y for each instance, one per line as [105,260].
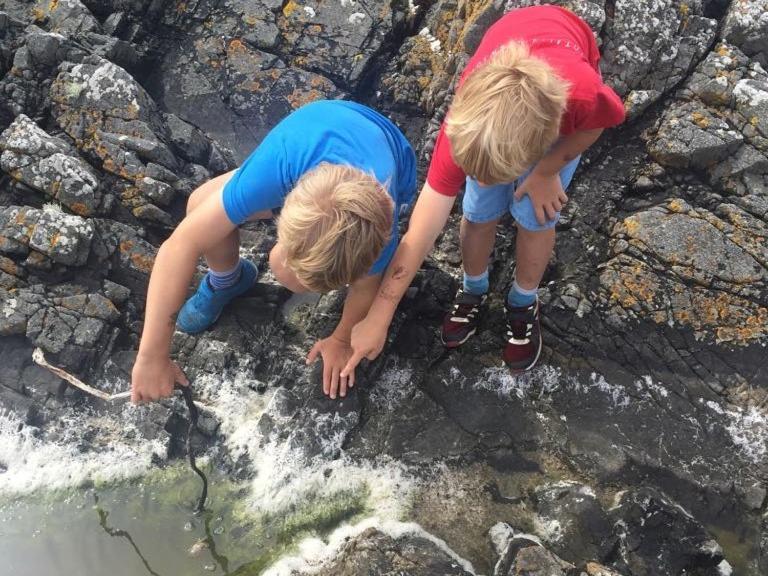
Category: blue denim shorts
[487,203]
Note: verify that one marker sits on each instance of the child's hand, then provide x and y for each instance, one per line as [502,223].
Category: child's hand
[335,352]
[368,339]
[154,378]
[546,194]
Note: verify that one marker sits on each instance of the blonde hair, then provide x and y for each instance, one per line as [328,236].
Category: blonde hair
[506,115]
[334,225]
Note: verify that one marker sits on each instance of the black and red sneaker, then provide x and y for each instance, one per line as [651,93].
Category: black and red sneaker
[461,322]
[523,346]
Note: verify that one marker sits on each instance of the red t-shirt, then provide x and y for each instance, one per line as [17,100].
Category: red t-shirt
[566,43]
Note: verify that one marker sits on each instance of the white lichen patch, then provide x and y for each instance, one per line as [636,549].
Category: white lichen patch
[356,18]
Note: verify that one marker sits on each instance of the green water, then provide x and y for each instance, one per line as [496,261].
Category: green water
[149,528]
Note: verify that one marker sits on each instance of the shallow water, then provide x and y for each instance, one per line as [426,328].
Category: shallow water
[149,528]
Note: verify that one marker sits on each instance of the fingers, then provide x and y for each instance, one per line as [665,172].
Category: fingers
[520,191]
[334,382]
[179,376]
[563,197]
[352,363]
[550,211]
[538,209]
[351,379]
[326,379]
[312,356]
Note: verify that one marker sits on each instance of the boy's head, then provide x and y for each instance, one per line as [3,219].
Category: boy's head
[506,115]
[333,226]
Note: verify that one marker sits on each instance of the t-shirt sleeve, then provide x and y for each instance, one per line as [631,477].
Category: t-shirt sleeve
[604,110]
[261,183]
[444,176]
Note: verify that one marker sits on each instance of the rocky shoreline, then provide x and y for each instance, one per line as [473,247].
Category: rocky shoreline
[640,444]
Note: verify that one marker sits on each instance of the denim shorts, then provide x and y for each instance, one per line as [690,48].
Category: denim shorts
[487,203]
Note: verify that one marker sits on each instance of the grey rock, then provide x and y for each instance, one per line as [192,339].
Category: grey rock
[745,26]
[691,136]
[50,165]
[67,17]
[64,238]
[651,45]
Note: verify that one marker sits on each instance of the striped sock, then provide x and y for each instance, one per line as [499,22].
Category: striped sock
[519,297]
[226,279]
[476,285]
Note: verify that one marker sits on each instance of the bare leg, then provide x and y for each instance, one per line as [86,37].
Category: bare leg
[477,242]
[226,254]
[532,253]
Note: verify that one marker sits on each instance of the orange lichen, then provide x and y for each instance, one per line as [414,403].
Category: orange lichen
[80,209]
[236,46]
[299,97]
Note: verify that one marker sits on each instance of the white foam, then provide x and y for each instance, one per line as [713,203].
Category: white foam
[284,475]
[748,429]
[33,463]
[314,554]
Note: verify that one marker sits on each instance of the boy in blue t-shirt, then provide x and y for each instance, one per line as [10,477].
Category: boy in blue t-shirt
[340,172]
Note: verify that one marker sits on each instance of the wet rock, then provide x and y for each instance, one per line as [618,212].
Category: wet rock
[571,522]
[524,555]
[657,536]
[50,165]
[375,552]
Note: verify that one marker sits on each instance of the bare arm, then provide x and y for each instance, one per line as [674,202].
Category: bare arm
[566,150]
[427,221]
[543,185]
[171,274]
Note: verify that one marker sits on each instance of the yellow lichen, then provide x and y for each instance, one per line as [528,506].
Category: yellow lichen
[700,120]
[289,8]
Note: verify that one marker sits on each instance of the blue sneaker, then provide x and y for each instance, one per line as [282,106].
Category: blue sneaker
[205,306]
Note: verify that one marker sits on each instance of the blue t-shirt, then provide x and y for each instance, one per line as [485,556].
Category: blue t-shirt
[334,131]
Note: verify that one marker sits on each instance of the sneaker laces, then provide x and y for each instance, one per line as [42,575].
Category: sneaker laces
[520,325]
[466,307]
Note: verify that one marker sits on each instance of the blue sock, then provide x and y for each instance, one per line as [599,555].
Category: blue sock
[226,279]
[476,285]
[519,297]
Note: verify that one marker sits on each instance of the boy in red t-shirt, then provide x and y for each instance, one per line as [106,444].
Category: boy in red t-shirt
[530,101]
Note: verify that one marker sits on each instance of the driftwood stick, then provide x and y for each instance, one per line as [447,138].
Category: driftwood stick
[39,358]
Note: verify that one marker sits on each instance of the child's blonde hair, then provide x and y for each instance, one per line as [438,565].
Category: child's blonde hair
[334,225]
[506,115]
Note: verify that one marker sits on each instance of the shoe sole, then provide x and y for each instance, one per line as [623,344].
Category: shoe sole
[453,345]
[532,364]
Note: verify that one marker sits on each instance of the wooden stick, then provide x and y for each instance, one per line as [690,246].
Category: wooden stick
[39,358]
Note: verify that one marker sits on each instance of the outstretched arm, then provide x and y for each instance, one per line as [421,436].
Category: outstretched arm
[153,373]
[335,349]
[427,221]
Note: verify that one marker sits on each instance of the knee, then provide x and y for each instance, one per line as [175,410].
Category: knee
[283,274]
[196,198]
[469,228]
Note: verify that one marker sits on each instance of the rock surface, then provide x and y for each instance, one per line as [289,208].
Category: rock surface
[637,447]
